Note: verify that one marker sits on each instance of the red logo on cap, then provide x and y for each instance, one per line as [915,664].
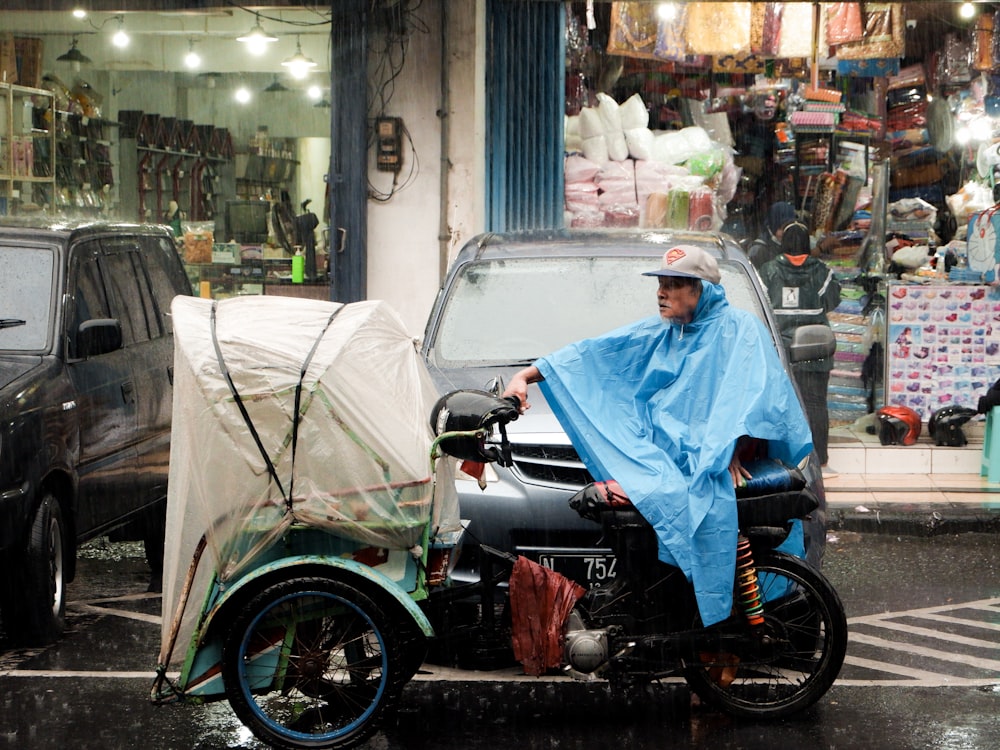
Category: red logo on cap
[675,254]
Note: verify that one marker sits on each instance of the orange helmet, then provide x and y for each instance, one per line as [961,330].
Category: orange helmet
[898,425]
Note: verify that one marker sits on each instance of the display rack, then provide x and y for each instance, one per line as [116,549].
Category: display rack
[259,175]
[85,172]
[164,159]
[27,149]
[814,153]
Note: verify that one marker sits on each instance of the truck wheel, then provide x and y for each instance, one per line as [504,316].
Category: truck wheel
[36,611]
[153,532]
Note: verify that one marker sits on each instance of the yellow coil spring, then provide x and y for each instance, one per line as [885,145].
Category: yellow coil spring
[746,583]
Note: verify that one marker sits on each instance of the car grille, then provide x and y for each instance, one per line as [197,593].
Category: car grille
[549,464]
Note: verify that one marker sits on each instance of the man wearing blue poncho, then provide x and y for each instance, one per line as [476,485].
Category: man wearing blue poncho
[660,405]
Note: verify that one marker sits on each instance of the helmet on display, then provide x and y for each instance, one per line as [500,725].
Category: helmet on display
[898,425]
[468,411]
[945,425]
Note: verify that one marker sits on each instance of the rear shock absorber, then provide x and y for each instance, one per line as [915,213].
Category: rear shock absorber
[746,583]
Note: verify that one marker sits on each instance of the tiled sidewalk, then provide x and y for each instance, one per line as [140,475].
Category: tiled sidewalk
[870,474]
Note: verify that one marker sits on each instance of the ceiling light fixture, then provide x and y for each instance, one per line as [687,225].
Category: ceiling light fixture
[79,13]
[192,59]
[967,10]
[243,95]
[120,39]
[276,85]
[257,39]
[298,64]
[74,56]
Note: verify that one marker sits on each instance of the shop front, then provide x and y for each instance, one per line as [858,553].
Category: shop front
[874,123]
[432,122]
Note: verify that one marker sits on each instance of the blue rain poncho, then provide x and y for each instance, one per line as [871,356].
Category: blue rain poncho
[659,407]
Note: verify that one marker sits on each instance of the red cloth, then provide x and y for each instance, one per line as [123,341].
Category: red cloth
[540,602]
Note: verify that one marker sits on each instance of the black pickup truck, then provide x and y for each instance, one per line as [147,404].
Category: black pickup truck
[86,358]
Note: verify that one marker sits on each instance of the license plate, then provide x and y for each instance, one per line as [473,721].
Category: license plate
[588,569]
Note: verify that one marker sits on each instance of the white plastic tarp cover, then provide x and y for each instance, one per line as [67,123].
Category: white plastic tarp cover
[360,466]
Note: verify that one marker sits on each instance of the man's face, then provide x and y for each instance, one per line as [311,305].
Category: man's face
[677,297]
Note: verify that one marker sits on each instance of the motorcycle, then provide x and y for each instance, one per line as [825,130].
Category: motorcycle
[312,622]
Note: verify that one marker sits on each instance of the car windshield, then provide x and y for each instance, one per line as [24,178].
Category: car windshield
[513,311]
[26,286]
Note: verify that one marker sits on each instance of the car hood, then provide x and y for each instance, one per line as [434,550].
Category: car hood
[14,366]
[537,425]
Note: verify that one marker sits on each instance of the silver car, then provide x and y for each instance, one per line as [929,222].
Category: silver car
[509,299]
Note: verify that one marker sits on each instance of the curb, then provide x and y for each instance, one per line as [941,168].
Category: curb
[929,519]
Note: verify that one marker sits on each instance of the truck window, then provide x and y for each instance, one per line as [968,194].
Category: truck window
[89,301]
[158,253]
[133,297]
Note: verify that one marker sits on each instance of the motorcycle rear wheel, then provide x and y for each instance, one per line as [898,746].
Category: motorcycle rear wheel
[807,631]
[311,663]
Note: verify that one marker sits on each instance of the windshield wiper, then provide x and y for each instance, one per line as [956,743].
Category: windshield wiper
[11,322]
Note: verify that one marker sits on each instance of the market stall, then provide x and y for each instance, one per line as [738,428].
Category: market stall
[875,121]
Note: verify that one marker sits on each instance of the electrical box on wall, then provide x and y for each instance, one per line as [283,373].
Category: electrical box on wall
[389,144]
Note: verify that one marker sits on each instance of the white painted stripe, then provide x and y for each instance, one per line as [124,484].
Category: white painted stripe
[989,605]
[972,661]
[125,675]
[942,682]
[883,666]
[961,621]
[940,635]
[140,616]
[122,598]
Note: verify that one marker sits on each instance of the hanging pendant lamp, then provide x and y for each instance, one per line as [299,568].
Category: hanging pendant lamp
[73,55]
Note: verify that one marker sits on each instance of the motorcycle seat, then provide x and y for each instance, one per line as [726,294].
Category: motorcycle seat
[775,494]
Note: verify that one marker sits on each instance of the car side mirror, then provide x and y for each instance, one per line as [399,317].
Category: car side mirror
[812,342]
[98,336]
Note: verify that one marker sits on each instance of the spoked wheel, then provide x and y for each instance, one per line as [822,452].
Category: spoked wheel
[790,660]
[310,663]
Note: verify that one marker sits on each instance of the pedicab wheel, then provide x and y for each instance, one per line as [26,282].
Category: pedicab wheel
[792,659]
[310,663]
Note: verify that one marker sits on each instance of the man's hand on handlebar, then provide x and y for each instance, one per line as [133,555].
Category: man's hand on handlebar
[518,386]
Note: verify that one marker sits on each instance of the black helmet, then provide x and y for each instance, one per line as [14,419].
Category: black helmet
[469,410]
[898,425]
[945,425]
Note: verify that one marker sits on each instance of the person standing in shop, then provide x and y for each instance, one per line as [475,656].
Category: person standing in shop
[767,247]
[803,290]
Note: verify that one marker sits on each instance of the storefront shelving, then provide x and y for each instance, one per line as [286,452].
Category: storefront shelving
[27,149]
[85,170]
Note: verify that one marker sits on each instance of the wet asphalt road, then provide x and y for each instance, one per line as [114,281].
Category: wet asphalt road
[903,686]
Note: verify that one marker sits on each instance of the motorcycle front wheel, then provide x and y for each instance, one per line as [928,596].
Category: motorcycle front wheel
[787,663]
[310,663]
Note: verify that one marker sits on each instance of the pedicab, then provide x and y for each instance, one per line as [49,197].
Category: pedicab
[311,526]
[306,518]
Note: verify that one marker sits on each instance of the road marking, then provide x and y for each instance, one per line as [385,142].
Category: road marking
[140,616]
[90,605]
[894,628]
[120,675]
